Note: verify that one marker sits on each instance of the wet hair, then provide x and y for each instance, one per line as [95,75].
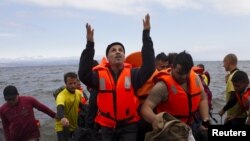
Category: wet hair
[232,58]
[69,74]
[240,76]
[112,44]
[171,57]
[162,56]
[185,60]
[10,91]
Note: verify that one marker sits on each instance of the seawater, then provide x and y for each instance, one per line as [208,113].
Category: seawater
[41,80]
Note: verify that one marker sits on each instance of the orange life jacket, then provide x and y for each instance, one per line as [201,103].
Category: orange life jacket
[83,99]
[244,100]
[116,101]
[142,93]
[180,103]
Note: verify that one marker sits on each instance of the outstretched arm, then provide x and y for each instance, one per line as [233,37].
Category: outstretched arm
[41,107]
[90,33]
[87,59]
[146,22]
[148,55]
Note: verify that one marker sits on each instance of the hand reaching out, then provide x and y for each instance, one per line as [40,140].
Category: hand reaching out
[65,122]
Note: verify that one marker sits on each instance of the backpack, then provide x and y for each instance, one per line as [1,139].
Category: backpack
[57,91]
[173,130]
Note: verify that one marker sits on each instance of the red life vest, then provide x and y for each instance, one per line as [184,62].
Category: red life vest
[203,76]
[180,103]
[142,93]
[116,101]
[245,99]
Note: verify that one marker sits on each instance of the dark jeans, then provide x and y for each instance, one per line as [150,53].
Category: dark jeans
[64,135]
[91,114]
[199,134]
[125,133]
[143,128]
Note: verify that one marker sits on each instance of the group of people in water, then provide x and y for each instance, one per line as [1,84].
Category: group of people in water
[127,102]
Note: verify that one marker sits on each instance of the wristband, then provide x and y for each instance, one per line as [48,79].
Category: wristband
[205,123]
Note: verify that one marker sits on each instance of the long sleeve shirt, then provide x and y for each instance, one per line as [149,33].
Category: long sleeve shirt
[19,121]
[138,75]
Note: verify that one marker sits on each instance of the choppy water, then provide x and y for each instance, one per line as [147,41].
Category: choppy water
[40,81]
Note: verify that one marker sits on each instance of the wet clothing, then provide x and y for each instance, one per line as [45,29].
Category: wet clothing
[19,121]
[70,103]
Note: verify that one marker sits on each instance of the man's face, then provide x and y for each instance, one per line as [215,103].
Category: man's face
[179,76]
[12,101]
[239,87]
[71,84]
[116,55]
[161,65]
[226,64]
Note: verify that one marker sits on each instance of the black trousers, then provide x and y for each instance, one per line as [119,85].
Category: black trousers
[125,133]
[143,128]
[64,135]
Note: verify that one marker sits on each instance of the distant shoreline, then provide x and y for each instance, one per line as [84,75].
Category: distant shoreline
[54,62]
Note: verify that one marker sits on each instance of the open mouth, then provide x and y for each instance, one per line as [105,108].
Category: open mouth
[118,57]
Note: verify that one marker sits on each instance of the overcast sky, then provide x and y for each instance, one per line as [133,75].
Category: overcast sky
[208,29]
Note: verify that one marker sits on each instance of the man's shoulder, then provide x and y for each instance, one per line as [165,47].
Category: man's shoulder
[58,91]
[78,91]
[3,108]
[25,97]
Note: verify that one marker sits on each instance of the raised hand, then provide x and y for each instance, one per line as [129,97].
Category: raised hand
[90,33]
[146,22]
